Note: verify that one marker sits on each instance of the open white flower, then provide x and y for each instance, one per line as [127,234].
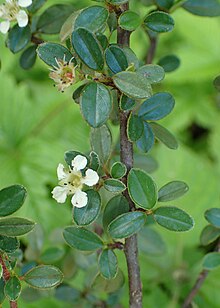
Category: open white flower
[72,181]
[11,11]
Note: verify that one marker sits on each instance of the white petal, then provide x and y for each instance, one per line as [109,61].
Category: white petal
[79,162]
[24,3]
[60,193]
[22,18]
[61,174]
[91,177]
[4,26]
[79,199]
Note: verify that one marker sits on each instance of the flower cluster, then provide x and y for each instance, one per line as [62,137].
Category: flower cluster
[11,11]
[63,74]
[72,181]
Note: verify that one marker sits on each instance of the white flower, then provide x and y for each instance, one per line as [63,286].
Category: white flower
[11,11]
[72,181]
[63,74]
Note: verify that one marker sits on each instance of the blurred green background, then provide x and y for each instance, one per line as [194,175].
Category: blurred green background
[38,124]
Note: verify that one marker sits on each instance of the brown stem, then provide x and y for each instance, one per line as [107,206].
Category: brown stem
[126,155]
[36,40]
[152,50]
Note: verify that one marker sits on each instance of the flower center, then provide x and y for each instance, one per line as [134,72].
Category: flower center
[73,181]
[9,10]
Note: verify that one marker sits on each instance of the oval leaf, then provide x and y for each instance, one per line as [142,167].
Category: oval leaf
[209,234]
[18,38]
[146,142]
[96,104]
[169,63]
[114,185]
[163,135]
[126,103]
[82,239]
[129,20]
[135,127]
[203,8]
[15,226]
[108,264]
[28,57]
[11,199]
[12,288]
[153,73]
[87,214]
[101,142]
[211,261]
[116,59]
[43,277]
[52,254]
[173,219]
[8,244]
[172,191]
[118,170]
[213,216]
[102,284]
[159,22]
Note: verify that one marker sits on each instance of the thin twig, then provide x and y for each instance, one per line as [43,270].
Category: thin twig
[152,49]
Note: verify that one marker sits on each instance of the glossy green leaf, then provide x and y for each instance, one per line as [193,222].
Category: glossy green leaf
[96,104]
[173,218]
[153,73]
[52,19]
[126,225]
[8,244]
[126,103]
[116,206]
[13,288]
[15,226]
[11,199]
[92,18]
[129,20]
[157,106]
[101,142]
[18,38]
[52,255]
[169,63]
[114,185]
[28,57]
[67,294]
[43,277]
[142,188]
[133,84]
[203,8]
[135,127]
[49,52]
[103,40]
[165,4]
[118,170]
[213,217]
[150,242]
[163,135]
[116,59]
[209,234]
[172,191]
[159,22]
[87,214]
[146,142]
[216,83]
[102,284]
[94,161]
[108,264]
[88,48]
[82,239]
[211,261]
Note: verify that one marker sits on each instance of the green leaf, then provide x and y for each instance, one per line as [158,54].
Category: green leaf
[157,106]
[211,261]
[133,84]
[116,59]
[142,188]
[173,218]
[209,234]
[213,217]
[43,277]
[118,170]
[150,242]
[101,142]
[82,239]
[135,127]
[102,284]
[88,48]
[52,255]
[36,5]
[87,214]
[67,294]
[131,57]
[50,52]
[96,104]
[165,4]
[108,264]
[159,22]
[2,294]
[169,63]
[114,186]
[28,57]
[172,191]
[146,141]
[126,225]
[94,161]
[153,73]
[51,21]
[11,199]
[203,8]
[103,40]
[216,83]
[70,155]
[92,18]
[129,20]
[126,103]
[15,226]
[116,206]
[8,244]
[13,288]
[18,38]
[163,135]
